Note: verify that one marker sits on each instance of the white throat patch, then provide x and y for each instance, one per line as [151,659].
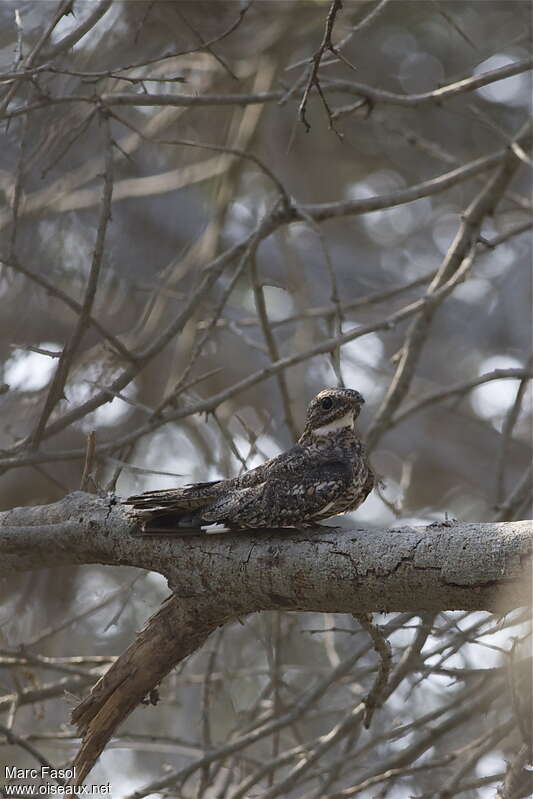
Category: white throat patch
[345,421]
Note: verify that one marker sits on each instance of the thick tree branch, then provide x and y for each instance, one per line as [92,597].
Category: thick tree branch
[220,578]
[443,566]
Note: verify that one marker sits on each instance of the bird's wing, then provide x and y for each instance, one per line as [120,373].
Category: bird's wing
[284,498]
[284,490]
[294,461]
[233,506]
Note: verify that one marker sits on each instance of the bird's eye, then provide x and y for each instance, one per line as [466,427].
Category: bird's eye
[326,403]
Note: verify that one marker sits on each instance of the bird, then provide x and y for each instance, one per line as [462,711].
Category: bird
[324,474]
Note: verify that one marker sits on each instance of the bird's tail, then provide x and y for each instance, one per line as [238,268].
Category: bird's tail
[171,511]
[161,523]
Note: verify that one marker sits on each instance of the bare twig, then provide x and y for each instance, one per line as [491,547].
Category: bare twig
[205,45]
[507,432]
[206,701]
[70,39]
[56,390]
[17,740]
[312,80]
[459,389]
[460,253]
[113,341]
[204,406]
[519,497]
[262,314]
[88,476]
[371,94]
[516,777]
[375,698]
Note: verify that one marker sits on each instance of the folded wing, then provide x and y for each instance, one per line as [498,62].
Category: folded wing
[293,488]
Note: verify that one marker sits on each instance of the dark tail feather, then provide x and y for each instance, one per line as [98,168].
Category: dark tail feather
[161,522]
[173,511]
[181,500]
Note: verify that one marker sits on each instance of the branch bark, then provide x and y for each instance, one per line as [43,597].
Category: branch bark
[219,578]
[445,566]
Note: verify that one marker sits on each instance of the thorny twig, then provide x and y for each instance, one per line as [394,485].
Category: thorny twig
[313,80]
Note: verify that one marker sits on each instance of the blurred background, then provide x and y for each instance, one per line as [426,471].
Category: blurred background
[164,317]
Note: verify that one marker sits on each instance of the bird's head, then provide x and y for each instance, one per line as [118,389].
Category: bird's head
[331,410]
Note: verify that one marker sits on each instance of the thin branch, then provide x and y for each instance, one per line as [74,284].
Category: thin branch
[56,391]
[325,311]
[459,256]
[207,405]
[458,389]
[88,476]
[519,497]
[507,432]
[262,314]
[375,698]
[312,79]
[437,96]
[64,6]
[364,23]
[70,39]
[17,740]
[114,342]
[204,45]
[516,775]
[244,262]
[206,701]
[299,709]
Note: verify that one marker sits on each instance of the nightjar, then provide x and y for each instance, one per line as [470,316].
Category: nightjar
[324,474]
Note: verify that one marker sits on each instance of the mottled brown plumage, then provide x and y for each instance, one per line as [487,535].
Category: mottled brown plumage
[324,474]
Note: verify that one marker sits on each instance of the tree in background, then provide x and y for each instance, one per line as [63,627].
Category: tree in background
[213,210]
